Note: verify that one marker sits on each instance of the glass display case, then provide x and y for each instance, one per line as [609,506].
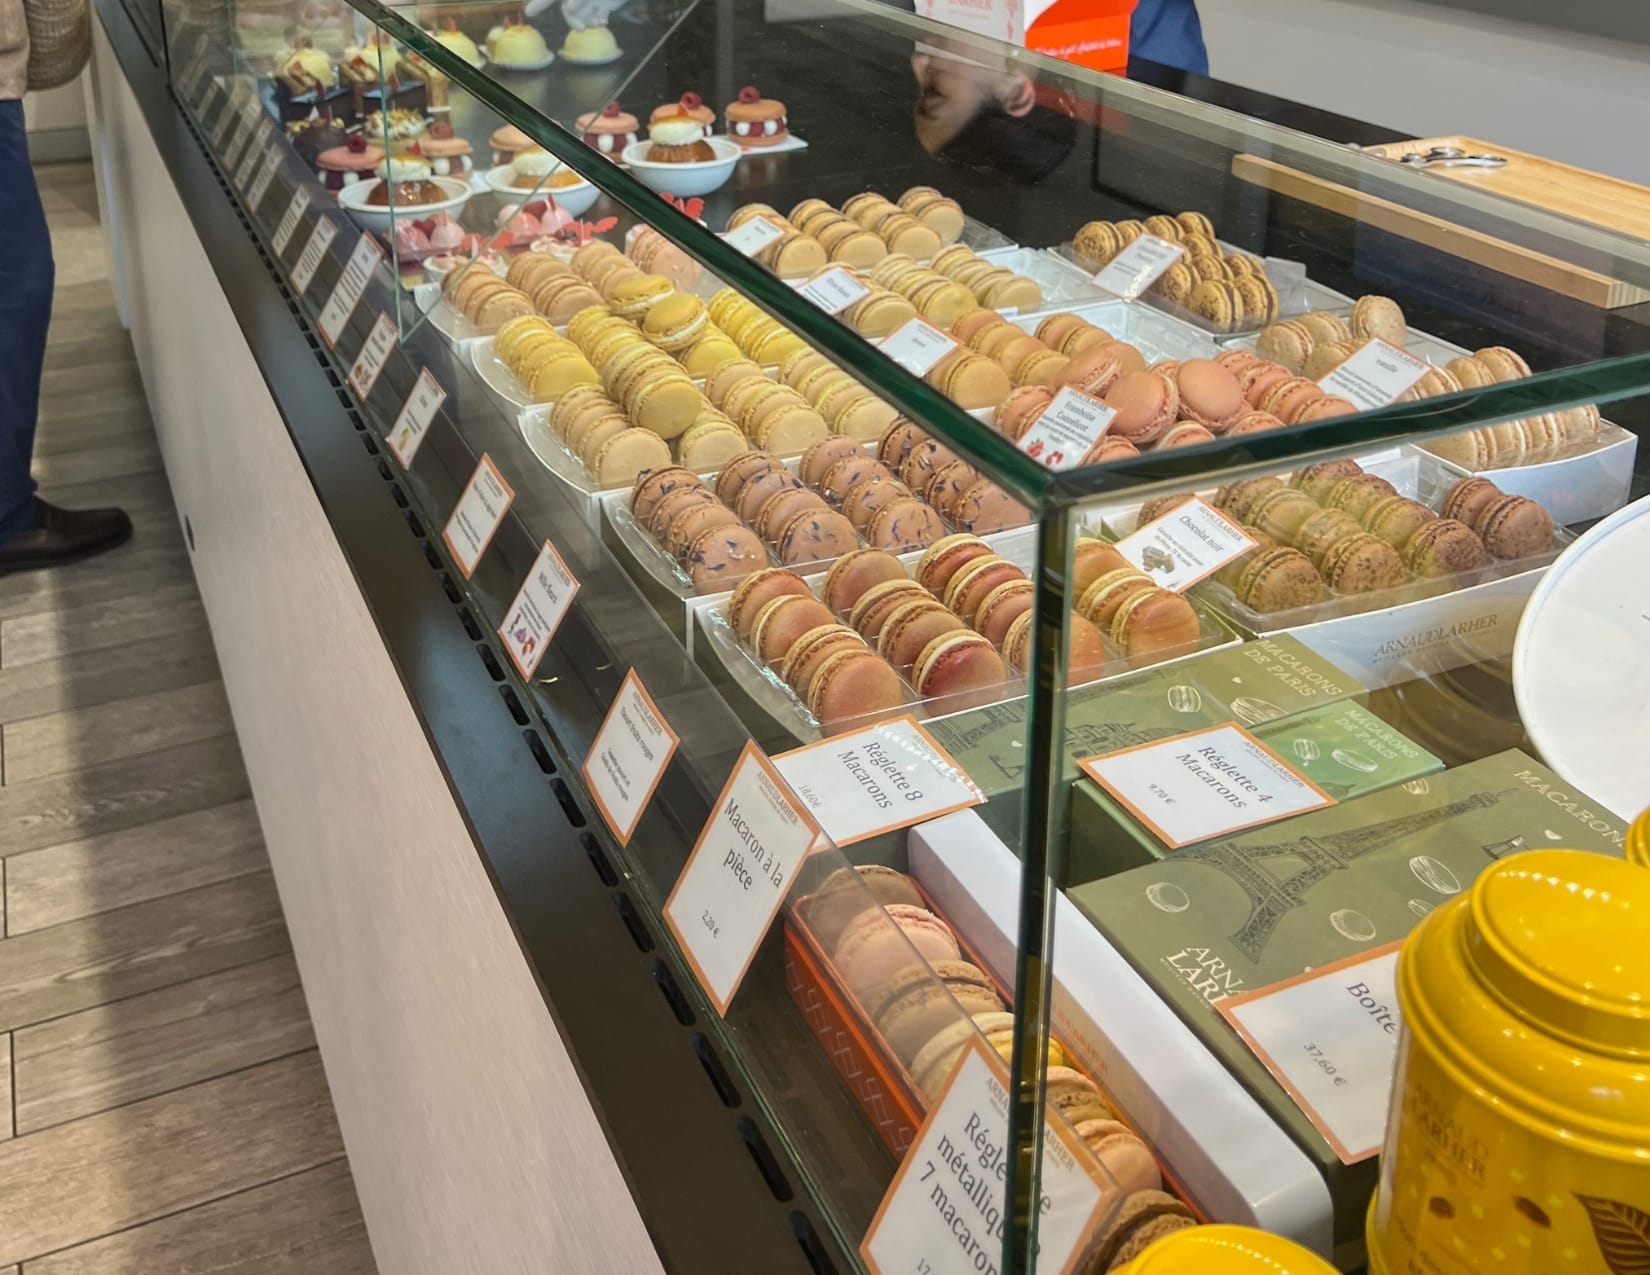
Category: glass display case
[1167,487]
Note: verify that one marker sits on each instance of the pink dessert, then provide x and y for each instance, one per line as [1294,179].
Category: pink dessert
[881,941]
[448,236]
[355,161]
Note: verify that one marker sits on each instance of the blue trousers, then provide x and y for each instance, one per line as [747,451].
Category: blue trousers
[27,274]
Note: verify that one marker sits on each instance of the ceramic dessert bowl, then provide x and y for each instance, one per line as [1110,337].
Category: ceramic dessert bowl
[573,200]
[380,217]
[698,177]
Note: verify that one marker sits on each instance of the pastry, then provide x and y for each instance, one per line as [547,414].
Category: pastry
[1154,622]
[879,602]
[345,165]
[1362,563]
[1209,394]
[626,454]
[1147,403]
[447,153]
[754,120]
[758,589]
[1100,602]
[942,560]
[1142,1219]
[1317,480]
[1358,493]
[847,892]
[516,44]
[455,41]
[1279,579]
[903,525]
[1396,518]
[1515,527]
[815,536]
[779,508]
[654,485]
[1185,434]
[675,322]
[961,669]
[1076,1097]
[710,444]
[810,651]
[609,130]
[1280,512]
[677,139]
[910,628]
[589,45]
[866,499]
[1123,1155]
[1444,547]
[851,688]
[920,1000]
[784,619]
[1001,607]
[1467,499]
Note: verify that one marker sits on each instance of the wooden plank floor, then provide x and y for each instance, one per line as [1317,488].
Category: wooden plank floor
[162,1104]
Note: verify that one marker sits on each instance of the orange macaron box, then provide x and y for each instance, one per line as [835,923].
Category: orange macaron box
[1388,568]
[889,1090]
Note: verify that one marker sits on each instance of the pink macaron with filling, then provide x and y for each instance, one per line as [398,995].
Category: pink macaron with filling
[962,670]
[881,941]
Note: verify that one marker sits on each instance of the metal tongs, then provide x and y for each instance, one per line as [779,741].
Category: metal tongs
[1451,157]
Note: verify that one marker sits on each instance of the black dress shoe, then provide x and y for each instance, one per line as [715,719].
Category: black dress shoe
[64,535]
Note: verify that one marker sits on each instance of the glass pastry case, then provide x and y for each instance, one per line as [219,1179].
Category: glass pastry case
[1017,567]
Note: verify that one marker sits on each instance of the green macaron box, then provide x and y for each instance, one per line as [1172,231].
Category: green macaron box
[1270,903]
[1343,749]
[1251,683]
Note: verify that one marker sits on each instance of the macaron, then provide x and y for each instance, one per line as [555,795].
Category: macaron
[1444,547]
[850,689]
[999,609]
[1515,527]
[910,627]
[855,572]
[784,619]
[1363,563]
[652,486]
[1091,558]
[1101,600]
[883,940]
[760,488]
[970,583]
[1381,317]
[815,535]
[778,509]
[1122,1153]
[847,474]
[737,471]
[921,1000]
[847,892]
[865,500]
[1467,500]
[1154,622]
[942,559]
[1146,403]
[1318,480]
[985,507]
[1279,579]
[1140,1221]
[880,601]
[810,651]
[720,558]
[903,525]
[1209,394]
[626,454]
[1075,1096]
[1358,494]
[758,589]
[676,321]
[962,670]
[1236,499]
[1395,519]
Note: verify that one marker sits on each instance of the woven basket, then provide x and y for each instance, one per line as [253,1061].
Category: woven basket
[60,40]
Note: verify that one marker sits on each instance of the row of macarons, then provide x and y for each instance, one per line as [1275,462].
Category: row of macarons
[861,233]
[1228,290]
[926,1002]
[1332,528]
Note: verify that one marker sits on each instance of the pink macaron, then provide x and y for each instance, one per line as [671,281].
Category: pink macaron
[881,941]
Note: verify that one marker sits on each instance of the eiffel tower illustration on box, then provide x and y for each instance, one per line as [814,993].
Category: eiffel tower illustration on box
[1308,861]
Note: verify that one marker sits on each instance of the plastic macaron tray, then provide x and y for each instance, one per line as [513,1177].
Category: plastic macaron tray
[767,690]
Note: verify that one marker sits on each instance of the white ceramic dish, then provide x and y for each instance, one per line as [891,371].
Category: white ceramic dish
[1581,663]
[573,200]
[684,180]
[441,316]
[1155,334]
[500,380]
[353,199]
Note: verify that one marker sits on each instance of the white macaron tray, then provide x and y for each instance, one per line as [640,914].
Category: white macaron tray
[714,644]
[1156,335]
[1392,635]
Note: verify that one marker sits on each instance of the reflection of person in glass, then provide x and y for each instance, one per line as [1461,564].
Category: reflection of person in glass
[986,118]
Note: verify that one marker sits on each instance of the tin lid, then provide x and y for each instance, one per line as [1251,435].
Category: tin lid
[1638,840]
[1226,1250]
[1558,938]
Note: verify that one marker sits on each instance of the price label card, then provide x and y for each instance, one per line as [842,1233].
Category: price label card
[256,149]
[226,117]
[266,174]
[536,614]
[1185,545]
[1204,784]
[364,372]
[241,135]
[1067,430]
[1378,374]
[1138,266]
[346,293]
[1330,1037]
[834,290]
[295,210]
[628,757]
[945,1212]
[887,776]
[738,874]
[476,517]
[315,249]
[755,235]
[414,419]
[917,346]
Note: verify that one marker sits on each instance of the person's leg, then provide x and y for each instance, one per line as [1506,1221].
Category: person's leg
[26,277]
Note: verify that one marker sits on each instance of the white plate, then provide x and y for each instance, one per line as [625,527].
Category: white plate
[791,143]
[543,62]
[500,380]
[1581,663]
[441,316]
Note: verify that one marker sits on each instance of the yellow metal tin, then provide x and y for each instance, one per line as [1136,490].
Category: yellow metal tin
[1638,841]
[1226,1250]
[1519,1136]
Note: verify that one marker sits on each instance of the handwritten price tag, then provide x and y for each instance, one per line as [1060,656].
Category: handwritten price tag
[1330,1037]
[414,419]
[1067,430]
[834,290]
[738,875]
[1138,266]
